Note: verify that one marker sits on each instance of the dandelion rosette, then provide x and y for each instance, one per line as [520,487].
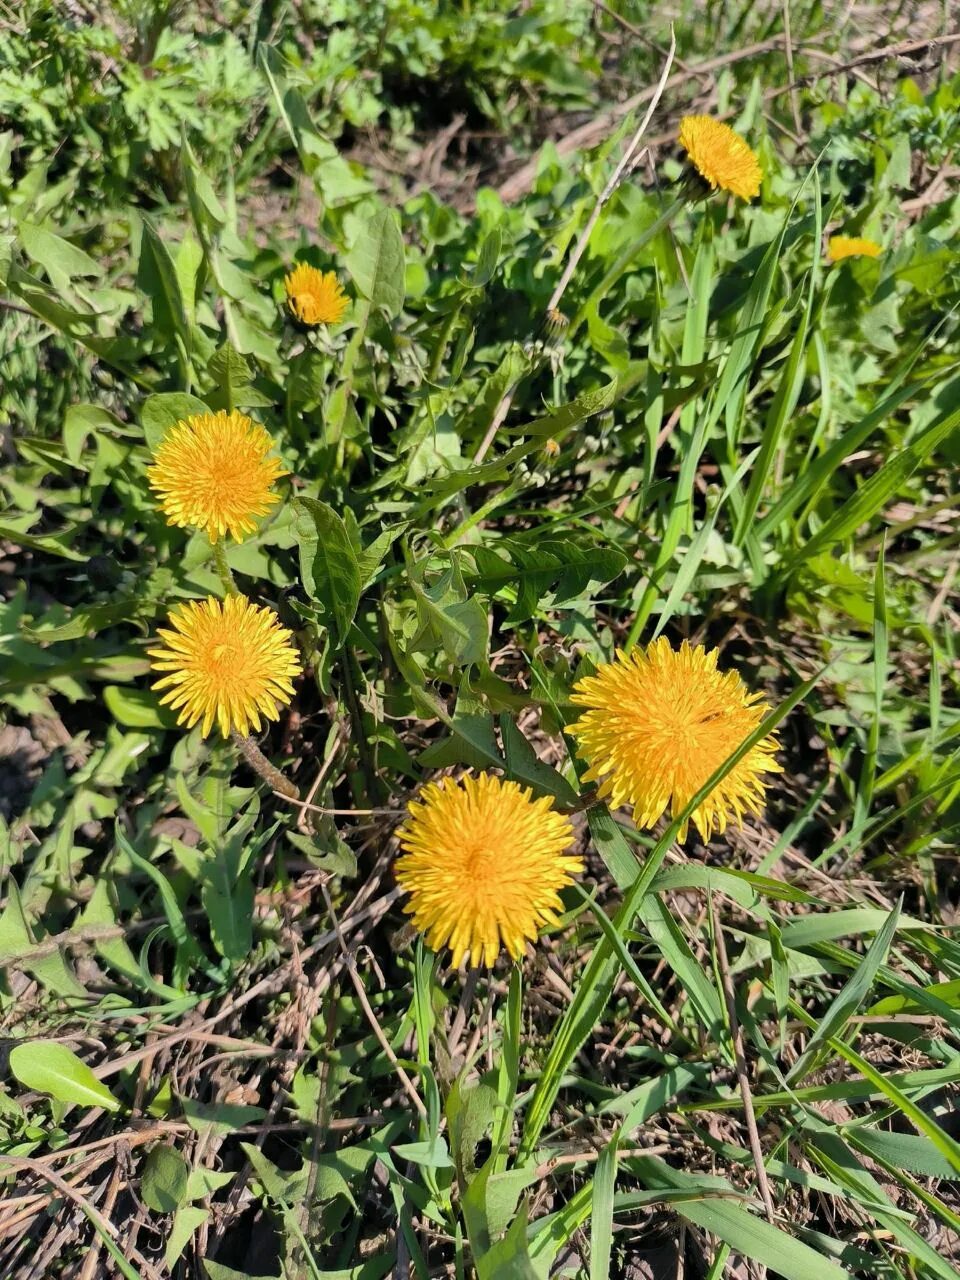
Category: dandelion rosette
[840,247]
[720,156]
[658,724]
[483,862]
[315,297]
[229,663]
[214,472]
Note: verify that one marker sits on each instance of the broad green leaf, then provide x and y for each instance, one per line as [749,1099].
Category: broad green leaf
[564,569]
[137,708]
[228,902]
[61,260]
[157,276]
[185,1222]
[18,947]
[524,766]
[161,412]
[217,1271]
[231,376]
[51,1067]
[163,1185]
[375,263]
[328,562]
[83,420]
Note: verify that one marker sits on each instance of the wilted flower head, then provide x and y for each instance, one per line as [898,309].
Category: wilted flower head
[315,297]
[658,724]
[228,663]
[720,156]
[839,247]
[482,862]
[214,472]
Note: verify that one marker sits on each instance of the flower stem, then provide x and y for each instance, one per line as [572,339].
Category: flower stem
[223,569]
[260,764]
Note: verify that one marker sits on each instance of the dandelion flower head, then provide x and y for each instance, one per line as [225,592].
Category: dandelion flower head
[720,156]
[840,247]
[315,297]
[214,472]
[483,862]
[227,663]
[658,723]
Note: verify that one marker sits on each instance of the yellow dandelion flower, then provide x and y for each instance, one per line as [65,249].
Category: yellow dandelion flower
[657,726]
[839,247]
[482,863]
[315,297]
[214,472]
[720,156]
[229,663]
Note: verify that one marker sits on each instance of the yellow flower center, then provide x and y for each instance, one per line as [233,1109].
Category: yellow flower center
[214,472]
[659,724]
[483,862]
[231,664]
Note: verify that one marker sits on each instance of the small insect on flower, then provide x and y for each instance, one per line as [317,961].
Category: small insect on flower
[659,723]
[482,862]
[720,156]
[214,472]
[550,448]
[840,247]
[229,664]
[315,297]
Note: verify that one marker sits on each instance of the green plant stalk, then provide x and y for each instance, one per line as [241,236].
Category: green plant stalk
[259,763]
[351,669]
[224,572]
[443,341]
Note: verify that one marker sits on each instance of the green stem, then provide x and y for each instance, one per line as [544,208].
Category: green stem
[443,342]
[223,569]
[351,668]
[259,763]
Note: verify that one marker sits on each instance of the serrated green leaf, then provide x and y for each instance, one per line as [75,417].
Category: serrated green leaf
[328,563]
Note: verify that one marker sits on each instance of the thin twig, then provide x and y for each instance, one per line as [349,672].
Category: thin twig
[614,180]
[736,1034]
[64,1187]
[302,823]
[306,806]
[788,51]
[259,763]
